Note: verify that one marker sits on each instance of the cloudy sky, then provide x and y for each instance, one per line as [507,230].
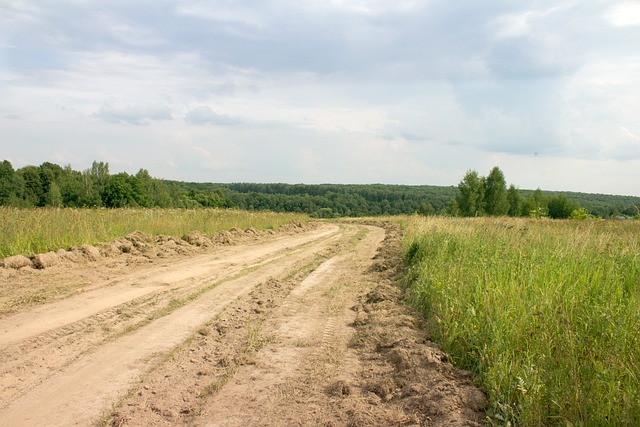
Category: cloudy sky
[339,91]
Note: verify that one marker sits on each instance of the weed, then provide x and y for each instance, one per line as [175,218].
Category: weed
[254,338]
[215,386]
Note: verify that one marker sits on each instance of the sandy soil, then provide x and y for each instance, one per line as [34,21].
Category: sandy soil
[301,326]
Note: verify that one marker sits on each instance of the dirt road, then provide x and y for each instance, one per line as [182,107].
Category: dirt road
[301,327]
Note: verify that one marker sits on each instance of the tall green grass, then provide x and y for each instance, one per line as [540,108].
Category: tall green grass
[32,231]
[546,313]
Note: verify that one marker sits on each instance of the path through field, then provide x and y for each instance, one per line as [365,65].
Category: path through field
[295,328]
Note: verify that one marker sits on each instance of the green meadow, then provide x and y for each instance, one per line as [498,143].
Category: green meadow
[546,313]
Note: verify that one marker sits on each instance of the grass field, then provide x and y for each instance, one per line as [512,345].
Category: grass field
[546,313]
[32,231]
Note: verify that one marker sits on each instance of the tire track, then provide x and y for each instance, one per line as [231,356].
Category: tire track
[84,353]
[308,334]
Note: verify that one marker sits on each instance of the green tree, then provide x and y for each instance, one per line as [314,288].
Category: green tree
[560,207]
[140,188]
[50,173]
[71,187]
[160,194]
[32,185]
[215,199]
[580,214]
[515,201]
[471,197]
[7,183]
[117,191]
[495,195]
[91,193]
[426,209]
[53,197]
[99,174]
[452,209]
[535,205]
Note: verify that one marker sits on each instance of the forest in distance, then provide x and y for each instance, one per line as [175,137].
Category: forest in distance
[53,185]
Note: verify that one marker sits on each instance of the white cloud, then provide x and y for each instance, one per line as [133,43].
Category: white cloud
[135,35]
[624,14]
[628,133]
[134,114]
[205,115]
[527,22]
[513,25]
[370,7]
[231,18]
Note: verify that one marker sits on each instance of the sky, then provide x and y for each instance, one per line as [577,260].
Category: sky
[327,91]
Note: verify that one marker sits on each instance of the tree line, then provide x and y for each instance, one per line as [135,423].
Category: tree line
[480,196]
[56,186]
[489,196]
[342,200]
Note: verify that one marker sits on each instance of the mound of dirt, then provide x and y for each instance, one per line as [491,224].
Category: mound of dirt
[65,255]
[139,244]
[125,246]
[90,252]
[16,262]
[294,226]
[47,260]
[223,238]
[136,243]
[252,232]
[142,242]
[197,238]
[169,246]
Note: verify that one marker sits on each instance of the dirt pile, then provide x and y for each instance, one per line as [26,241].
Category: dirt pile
[197,238]
[16,262]
[45,260]
[139,244]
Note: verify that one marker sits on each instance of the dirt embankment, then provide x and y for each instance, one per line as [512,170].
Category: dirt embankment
[142,244]
[304,327]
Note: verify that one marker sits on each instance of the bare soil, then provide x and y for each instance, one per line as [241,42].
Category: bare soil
[304,325]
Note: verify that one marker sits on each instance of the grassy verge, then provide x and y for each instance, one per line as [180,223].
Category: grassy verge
[546,313]
[32,231]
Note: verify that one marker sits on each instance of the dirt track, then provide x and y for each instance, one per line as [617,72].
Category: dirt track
[302,327]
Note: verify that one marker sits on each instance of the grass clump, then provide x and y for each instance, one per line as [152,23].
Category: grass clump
[546,313]
[39,230]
